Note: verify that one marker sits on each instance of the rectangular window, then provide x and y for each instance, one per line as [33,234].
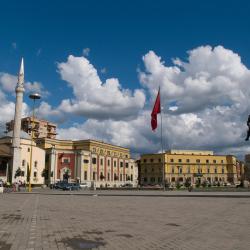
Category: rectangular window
[131,177]
[179,160]
[121,164]
[108,176]
[171,160]
[172,170]
[93,160]
[65,160]
[145,160]
[94,176]
[101,162]
[188,160]
[23,163]
[120,177]
[85,161]
[114,163]
[207,161]
[215,170]
[151,160]
[198,160]
[222,161]
[214,161]
[85,175]
[108,162]
[159,160]
[223,170]
[35,174]
[208,170]
[126,164]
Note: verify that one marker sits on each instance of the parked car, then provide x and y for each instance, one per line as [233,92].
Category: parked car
[71,186]
[84,185]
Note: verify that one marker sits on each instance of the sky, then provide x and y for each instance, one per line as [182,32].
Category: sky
[98,66]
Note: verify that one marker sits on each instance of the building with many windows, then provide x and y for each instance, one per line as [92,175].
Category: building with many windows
[191,166]
[41,128]
[90,161]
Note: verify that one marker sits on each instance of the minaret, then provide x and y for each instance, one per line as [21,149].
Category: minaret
[16,163]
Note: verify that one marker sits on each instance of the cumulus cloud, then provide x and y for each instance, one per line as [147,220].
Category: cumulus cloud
[94,98]
[8,83]
[206,102]
[210,77]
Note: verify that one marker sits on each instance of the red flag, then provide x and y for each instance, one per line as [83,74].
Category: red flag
[156,110]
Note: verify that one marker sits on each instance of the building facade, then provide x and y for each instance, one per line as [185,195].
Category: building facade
[181,166]
[41,128]
[247,167]
[20,174]
[94,162]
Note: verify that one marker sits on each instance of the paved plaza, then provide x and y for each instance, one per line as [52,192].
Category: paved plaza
[66,221]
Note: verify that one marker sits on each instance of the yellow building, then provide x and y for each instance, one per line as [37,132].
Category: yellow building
[6,155]
[193,166]
[89,161]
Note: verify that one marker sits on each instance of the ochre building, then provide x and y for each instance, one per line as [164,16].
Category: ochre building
[89,161]
[192,166]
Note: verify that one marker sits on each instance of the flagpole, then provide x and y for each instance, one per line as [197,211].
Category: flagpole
[163,156]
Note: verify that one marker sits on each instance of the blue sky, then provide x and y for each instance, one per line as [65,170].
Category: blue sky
[118,34]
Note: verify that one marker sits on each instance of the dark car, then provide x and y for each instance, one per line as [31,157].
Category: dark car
[58,185]
[71,186]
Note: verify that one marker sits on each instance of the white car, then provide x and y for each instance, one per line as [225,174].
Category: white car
[84,185]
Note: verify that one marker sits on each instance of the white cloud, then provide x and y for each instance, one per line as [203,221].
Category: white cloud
[86,52]
[93,98]
[8,83]
[209,78]
[206,99]
[36,87]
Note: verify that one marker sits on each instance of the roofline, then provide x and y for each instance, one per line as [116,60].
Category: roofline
[80,141]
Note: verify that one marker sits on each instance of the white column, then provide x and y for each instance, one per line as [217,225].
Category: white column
[16,150]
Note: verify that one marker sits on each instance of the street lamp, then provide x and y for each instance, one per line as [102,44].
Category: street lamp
[34,97]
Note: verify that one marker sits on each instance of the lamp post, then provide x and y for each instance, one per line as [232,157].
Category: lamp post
[34,97]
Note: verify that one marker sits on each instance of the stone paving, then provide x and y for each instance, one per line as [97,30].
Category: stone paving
[43,221]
